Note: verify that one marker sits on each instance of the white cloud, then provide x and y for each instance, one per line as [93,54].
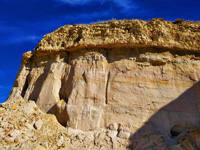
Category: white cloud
[16,39]
[126,4]
[20,39]
[77,2]
[92,16]
[16,34]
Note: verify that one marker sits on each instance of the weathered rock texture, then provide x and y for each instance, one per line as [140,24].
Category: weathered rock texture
[24,127]
[129,75]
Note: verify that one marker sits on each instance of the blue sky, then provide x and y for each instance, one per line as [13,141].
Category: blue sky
[24,22]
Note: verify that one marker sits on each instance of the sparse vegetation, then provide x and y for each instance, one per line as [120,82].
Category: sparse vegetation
[178,21]
[160,19]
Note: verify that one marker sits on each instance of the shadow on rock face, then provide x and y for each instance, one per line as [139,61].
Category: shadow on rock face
[177,117]
[60,111]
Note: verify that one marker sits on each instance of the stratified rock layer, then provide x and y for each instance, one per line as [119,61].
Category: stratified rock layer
[129,75]
[180,35]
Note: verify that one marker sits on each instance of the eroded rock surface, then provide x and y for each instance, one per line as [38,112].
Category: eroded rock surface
[141,78]
[24,126]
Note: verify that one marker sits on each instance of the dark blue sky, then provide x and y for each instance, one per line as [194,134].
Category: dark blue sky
[24,22]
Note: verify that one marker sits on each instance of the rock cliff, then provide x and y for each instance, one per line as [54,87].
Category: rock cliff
[139,79]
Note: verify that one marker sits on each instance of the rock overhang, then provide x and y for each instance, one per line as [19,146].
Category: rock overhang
[125,33]
[137,79]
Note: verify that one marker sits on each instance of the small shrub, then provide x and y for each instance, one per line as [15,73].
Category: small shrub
[178,21]
[160,19]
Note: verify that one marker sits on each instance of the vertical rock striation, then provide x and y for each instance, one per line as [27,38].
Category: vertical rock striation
[130,73]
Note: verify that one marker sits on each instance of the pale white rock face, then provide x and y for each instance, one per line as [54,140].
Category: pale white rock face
[19,83]
[50,87]
[138,78]
[94,88]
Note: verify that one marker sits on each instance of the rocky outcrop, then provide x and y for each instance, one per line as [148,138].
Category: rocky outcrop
[127,75]
[131,33]
[23,126]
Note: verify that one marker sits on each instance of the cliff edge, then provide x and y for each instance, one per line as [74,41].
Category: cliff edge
[180,35]
[136,81]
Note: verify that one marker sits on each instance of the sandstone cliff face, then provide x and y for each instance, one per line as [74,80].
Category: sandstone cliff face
[126,75]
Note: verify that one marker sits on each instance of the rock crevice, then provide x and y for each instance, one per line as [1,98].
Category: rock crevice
[99,85]
[134,74]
